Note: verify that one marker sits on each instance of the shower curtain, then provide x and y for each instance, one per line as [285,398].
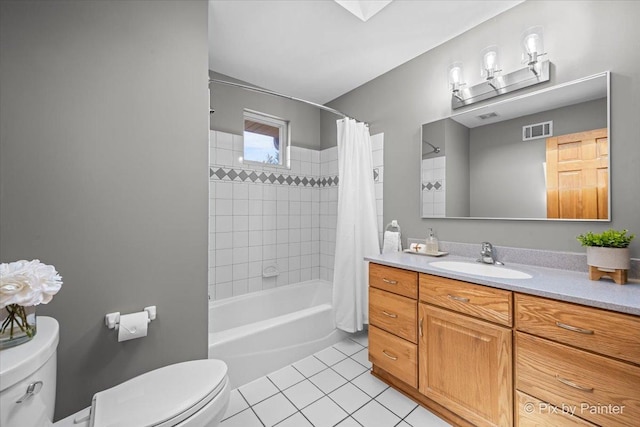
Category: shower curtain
[357,226]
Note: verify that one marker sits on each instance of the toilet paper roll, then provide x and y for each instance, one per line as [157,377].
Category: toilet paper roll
[133,325]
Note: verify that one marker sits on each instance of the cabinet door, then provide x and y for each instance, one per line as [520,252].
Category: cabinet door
[465,365]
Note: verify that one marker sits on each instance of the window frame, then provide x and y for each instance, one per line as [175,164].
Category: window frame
[284,128]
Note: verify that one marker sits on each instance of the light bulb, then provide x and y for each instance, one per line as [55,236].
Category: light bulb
[532,42]
[455,76]
[490,60]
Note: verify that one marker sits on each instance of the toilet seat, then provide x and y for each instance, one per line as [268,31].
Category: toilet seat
[160,398]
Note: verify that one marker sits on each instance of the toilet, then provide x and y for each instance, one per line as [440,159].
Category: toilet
[187,394]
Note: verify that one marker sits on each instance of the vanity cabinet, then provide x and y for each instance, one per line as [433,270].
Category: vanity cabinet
[393,310]
[481,356]
[464,359]
[579,360]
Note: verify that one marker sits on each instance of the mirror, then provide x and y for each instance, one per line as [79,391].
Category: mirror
[542,155]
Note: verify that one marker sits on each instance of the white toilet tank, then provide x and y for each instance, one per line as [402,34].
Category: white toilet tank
[28,375]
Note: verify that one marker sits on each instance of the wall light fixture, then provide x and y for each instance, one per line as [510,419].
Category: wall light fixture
[533,46]
[456,79]
[495,82]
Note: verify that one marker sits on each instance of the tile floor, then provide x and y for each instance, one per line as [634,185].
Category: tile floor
[331,388]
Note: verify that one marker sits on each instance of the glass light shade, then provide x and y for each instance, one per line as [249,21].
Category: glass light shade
[490,61]
[456,75]
[532,41]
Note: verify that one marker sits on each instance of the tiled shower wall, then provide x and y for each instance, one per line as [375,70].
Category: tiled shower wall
[433,185]
[263,216]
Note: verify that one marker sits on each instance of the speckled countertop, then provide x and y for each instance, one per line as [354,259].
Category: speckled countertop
[563,285]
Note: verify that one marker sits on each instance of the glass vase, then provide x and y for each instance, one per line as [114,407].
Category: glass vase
[17,325]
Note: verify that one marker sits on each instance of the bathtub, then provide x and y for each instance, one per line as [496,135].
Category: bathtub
[261,332]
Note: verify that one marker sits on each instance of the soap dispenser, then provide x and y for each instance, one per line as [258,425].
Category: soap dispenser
[432,243]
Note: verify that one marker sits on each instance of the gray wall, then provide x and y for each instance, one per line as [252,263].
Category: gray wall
[398,102]
[104,154]
[507,177]
[457,169]
[229,103]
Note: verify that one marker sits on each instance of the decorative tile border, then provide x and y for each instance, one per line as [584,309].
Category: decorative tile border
[435,185]
[230,174]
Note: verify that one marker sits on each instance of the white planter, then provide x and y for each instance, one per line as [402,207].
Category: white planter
[609,258]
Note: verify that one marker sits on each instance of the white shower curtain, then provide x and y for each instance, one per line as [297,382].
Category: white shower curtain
[357,227]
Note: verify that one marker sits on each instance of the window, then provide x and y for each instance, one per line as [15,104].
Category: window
[266,139]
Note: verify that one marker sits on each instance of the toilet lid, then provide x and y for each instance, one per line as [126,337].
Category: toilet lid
[163,397]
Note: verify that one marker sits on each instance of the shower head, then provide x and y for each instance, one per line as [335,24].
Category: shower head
[435,149]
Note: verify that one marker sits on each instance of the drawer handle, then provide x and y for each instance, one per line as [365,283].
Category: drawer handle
[388,355]
[457,298]
[574,328]
[572,384]
[393,316]
[420,327]
[389,281]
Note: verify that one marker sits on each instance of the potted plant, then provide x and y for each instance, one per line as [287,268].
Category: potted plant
[608,252]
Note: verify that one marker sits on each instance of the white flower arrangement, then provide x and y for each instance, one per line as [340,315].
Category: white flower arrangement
[24,284]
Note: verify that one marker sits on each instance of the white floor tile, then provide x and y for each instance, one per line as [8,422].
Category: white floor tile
[245,418]
[296,420]
[396,402]
[303,394]
[236,404]
[274,409]
[403,424]
[369,384]
[421,417]
[309,366]
[258,390]
[349,422]
[349,368]
[350,398]
[374,414]
[330,356]
[361,338]
[327,380]
[347,347]
[362,357]
[324,413]
[286,377]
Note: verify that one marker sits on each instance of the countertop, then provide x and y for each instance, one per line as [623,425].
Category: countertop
[563,285]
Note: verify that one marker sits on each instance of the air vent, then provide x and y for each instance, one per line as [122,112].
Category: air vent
[487,116]
[538,130]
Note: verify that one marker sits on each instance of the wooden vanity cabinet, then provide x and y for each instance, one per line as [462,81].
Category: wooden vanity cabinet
[465,362]
[393,310]
[577,359]
[453,346]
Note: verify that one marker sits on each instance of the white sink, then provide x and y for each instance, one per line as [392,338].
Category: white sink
[480,269]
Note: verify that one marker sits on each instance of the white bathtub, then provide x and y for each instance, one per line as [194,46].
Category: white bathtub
[261,332]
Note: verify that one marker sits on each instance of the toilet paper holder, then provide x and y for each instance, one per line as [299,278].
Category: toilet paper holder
[112,320]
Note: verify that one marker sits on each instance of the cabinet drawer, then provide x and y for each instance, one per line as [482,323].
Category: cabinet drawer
[601,331]
[479,301]
[393,313]
[532,412]
[394,355]
[396,280]
[602,390]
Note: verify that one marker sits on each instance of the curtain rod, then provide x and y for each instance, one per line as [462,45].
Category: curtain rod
[272,93]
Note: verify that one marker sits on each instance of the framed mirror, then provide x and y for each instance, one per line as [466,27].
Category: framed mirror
[539,156]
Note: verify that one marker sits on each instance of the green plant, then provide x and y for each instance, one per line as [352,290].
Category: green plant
[607,239]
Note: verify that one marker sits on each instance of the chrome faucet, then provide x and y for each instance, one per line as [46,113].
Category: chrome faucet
[486,254]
